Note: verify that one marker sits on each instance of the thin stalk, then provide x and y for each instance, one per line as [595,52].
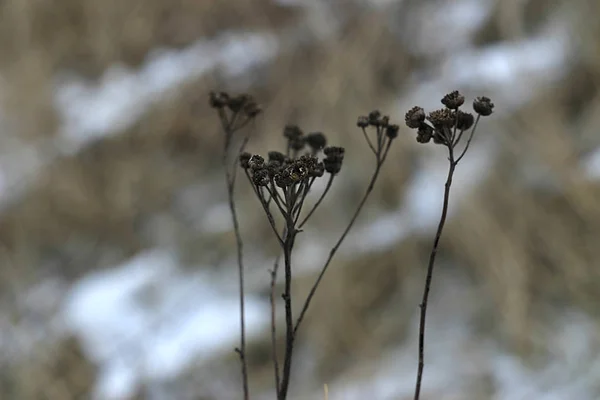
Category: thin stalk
[312,210]
[380,159]
[274,326]
[289,322]
[429,277]
[230,179]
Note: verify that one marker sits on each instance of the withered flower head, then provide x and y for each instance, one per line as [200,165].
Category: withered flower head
[442,118]
[374,118]
[277,157]
[237,103]
[464,120]
[414,117]
[392,131]
[424,134]
[218,99]
[282,179]
[362,122]
[316,140]
[244,159]
[334,150]
[317,171]
[260,177]
[453,100]
[298,143]
[297,171]
[256,162]
[333,160]
[483,106]
[292,132]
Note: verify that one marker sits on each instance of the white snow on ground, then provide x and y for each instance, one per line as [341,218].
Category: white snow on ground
[146,319]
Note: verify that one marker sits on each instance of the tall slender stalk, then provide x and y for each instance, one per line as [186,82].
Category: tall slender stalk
[243,109]
[429,277]
[447,128]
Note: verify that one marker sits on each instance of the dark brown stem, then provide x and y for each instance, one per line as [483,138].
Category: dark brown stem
[312,210]
[240,259]
[380,160]
[430,266]
[289,321]
[274,325]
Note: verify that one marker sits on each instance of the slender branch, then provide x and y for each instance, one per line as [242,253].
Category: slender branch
[430,266]
[462,154]
[369,141]
[230,180]
[274,325]
[339,242]
[312,210]
[289,321]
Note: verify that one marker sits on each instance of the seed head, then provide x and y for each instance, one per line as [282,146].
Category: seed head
[244,160]
[483,106]
[282,179]
[277,157]
[374,117]
[237,103]
[333,160]
[334,150]
[317,171]
[218,99]
[256,162]
[424,134]
[464,120]
[362,122]
[442,118]
[260,177]
[392,131]
[453,100]
[292,132]
[316,140]
[414,117]
[298,143]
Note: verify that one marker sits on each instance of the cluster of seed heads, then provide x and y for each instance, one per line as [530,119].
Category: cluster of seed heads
[444,123]
[243,103]
[285,170]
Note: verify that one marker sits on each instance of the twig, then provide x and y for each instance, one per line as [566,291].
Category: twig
[380,159]
[274,325]
[287,298]
[312,210]
[430,266]
[240,259]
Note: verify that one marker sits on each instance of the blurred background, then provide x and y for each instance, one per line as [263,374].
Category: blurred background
[117,256]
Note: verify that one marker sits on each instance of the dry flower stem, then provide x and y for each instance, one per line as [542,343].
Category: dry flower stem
[230,178]
[381,155]
[430,266]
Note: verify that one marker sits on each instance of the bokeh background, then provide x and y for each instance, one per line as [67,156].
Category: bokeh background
[117,256]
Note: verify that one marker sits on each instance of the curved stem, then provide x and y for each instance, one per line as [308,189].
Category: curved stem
[339,242]
[312,210]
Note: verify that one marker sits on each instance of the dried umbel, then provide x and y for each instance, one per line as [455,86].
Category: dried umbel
[235,112]
[282,181]
[445,126]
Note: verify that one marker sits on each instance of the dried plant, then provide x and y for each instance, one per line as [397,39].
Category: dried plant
[234,114]
[283,180]
[446,127]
